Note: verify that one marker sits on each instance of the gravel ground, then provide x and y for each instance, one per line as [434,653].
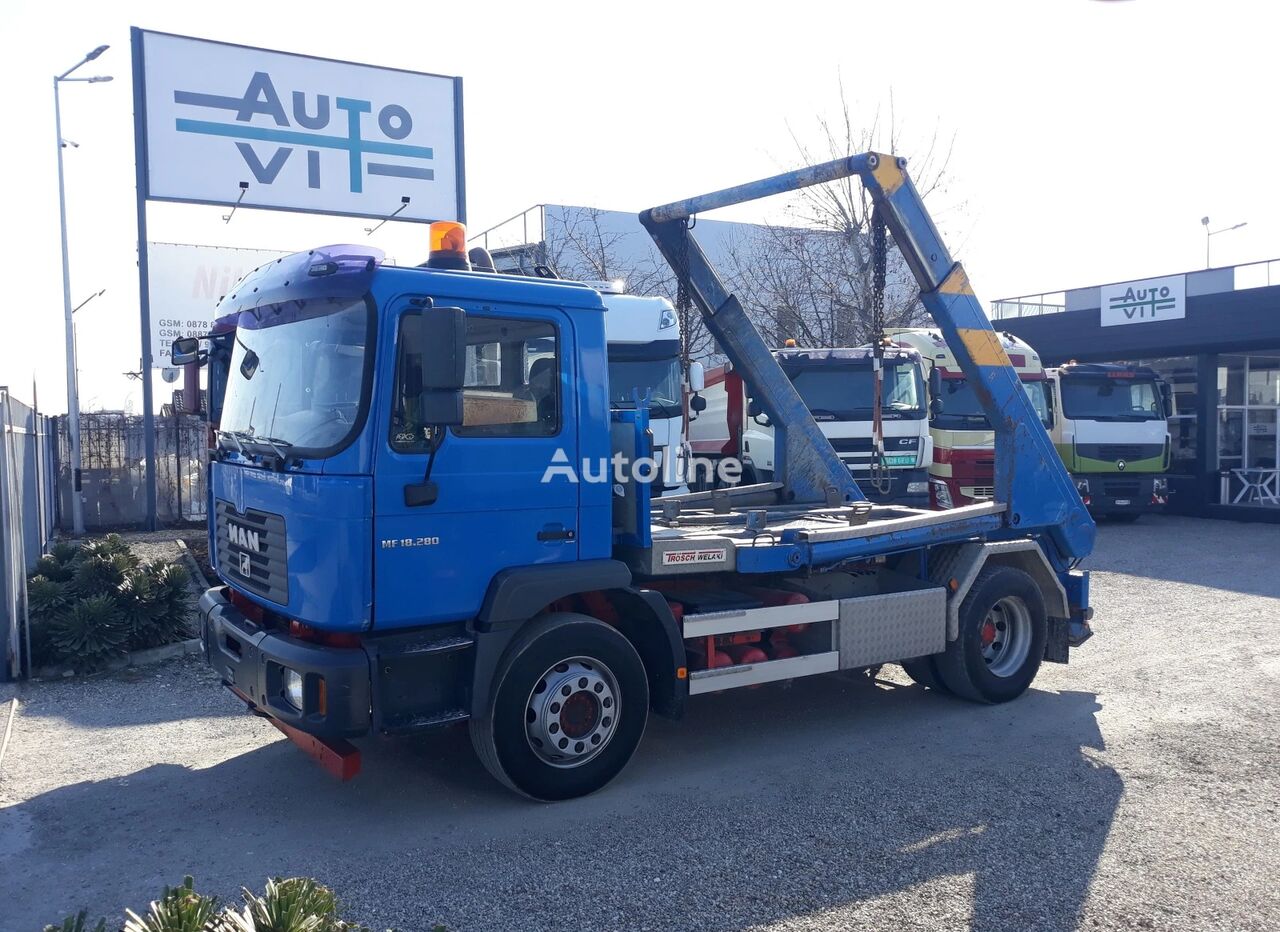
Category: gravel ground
[1138,788]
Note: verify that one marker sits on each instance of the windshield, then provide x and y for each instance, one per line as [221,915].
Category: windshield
[846,393]
[1105,399]
[297,377]
[962,411]
[660,377]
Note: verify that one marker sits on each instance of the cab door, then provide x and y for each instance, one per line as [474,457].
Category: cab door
[433,562]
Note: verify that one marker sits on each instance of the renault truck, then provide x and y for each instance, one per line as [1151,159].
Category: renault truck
[1110,426]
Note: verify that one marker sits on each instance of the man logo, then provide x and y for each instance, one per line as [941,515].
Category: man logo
[247,539]
[1121,464]
[246,565]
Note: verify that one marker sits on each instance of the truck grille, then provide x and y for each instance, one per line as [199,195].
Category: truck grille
[863,444]
[253,541]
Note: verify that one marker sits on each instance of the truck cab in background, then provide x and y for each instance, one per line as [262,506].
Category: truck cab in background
[1110,426]
[644,361]
[837,386]
[962,470]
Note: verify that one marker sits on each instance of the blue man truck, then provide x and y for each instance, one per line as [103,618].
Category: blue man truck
[424,512]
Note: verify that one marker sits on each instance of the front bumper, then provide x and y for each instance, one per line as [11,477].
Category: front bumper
[252,661]
[1120,493]
[902,480]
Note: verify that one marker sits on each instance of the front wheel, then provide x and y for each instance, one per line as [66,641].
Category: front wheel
[1001,641]
[569,705]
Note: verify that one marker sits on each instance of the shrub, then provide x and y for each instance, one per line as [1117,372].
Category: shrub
[78,923]
[179,909]
[91,602]
[297,904]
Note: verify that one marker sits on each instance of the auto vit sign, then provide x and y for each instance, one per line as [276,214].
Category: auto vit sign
[228,123]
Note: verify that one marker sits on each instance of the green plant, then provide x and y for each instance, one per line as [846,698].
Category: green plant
[50,567]
[296,904]
[179,909]
[156,604]
[63,551]
[88,633]
[99,573]
[78,923]
[45,597]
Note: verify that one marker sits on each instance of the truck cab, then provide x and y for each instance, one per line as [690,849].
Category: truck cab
[645,362]
[837,386]
[1110,426]
[962,470]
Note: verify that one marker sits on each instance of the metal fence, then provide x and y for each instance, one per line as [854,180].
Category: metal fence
[113,475]
[27,516]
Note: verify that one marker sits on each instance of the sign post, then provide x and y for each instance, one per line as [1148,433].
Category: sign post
[216,123]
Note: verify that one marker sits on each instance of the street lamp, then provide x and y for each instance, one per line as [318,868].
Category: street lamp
[1208,234]
[73,400]
[75,343]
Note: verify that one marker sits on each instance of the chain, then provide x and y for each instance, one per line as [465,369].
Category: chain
[881,476]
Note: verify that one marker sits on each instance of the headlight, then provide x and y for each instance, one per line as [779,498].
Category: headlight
[941,494]
[1161,485]
[917,488]
[293,688]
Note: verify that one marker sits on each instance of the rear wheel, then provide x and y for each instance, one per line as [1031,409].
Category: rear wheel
[569,706]
[1001,640]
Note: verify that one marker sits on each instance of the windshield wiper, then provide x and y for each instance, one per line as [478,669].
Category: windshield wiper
[241,437]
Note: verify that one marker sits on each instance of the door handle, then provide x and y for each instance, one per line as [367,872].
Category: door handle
[553,532]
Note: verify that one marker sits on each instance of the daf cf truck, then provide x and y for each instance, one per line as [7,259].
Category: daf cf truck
[838,387]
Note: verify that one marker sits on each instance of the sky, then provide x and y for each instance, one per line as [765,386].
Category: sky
[1087,138]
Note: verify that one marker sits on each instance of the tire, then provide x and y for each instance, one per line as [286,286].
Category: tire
[923,672]
[1003,628]
[556,654]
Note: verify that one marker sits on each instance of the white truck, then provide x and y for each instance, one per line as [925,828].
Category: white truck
[837,385]
[644,358]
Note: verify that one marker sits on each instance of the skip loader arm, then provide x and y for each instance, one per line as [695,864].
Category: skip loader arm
[1030,478]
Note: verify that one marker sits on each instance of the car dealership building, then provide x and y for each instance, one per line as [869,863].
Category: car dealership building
[1214,336]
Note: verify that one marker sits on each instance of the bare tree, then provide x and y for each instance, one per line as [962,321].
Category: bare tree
[812,279]
[579,244]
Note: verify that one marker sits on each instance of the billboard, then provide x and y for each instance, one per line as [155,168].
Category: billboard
[1144,302]
[186,283]
[226,124]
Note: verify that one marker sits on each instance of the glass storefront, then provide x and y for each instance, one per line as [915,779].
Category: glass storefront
[1248,418]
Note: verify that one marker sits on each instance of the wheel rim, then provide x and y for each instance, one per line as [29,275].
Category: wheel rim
[1005,636]
[572,712]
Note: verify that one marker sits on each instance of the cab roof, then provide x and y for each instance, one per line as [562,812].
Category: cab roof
[932,346]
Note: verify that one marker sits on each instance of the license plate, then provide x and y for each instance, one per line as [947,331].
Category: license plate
[901,459]
[1122,501]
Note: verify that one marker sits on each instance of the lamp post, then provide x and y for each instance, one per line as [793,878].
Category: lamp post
[73,401]
[1208,235]
[75,342]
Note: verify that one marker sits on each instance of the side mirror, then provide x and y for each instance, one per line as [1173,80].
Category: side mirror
[185,350]
[433,348]
[697,377]
[935,406]
[753,408]
[1166,398]
[935,383]
[697,404]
